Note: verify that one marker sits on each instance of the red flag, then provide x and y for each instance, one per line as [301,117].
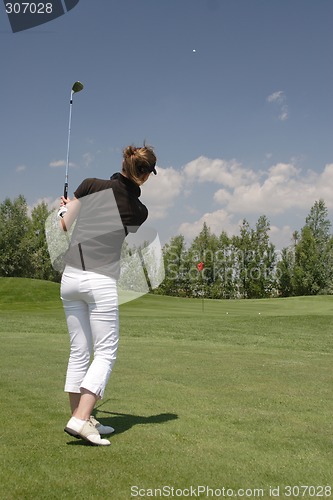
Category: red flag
[200,266]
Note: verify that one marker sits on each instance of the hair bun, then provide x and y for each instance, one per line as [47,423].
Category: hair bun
[138,162]
[129,151]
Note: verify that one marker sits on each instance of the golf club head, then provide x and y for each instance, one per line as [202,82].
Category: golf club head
[77,87]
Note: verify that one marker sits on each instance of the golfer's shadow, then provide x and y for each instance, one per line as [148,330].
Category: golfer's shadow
[122,422]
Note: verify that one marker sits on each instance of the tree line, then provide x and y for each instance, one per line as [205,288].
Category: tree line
[23,247]
[247,265]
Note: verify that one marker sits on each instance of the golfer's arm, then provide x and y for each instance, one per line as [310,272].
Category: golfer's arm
[73,208]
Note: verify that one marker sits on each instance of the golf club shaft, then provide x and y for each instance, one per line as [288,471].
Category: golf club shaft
[68,145]
[77,87]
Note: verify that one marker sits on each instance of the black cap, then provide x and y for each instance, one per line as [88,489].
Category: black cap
[147,169]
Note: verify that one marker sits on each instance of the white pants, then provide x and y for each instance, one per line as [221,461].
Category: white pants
[90,302]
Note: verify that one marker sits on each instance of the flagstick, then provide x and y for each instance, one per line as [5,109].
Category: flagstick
[200,268]
[203,294]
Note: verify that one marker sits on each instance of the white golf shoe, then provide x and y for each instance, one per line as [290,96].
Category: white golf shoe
[102,429]
[86,431]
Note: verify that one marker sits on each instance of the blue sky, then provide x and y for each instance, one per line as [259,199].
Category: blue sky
[235,96]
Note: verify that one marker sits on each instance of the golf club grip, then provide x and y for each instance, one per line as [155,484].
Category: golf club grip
[66,191]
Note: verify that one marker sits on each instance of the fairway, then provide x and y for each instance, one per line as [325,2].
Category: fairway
[236,396]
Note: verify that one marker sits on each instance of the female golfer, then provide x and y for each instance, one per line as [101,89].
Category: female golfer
[104,212]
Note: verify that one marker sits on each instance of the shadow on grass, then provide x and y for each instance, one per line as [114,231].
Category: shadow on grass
[122,422]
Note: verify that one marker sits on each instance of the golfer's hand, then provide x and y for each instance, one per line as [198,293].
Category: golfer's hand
[64,201]
[68,213]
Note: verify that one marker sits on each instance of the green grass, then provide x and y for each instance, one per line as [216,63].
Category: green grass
[224,397]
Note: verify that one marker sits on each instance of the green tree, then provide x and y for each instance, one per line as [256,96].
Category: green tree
[224,282]
[243,259]
[255,260]
[313,271]
[265,259]
[34,242]
[204,249]
[177,268]
[14,226]
[285,272]
[319,224]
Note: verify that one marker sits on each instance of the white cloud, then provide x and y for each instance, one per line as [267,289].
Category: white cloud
[161,191]
[224,192]
[21,168]
[60,163]
[229,173]
[88,158]
[222,196]
[50,202]
[284,190]
[280,99]
[281,237]
[57,163]
[218,221]
[284,187]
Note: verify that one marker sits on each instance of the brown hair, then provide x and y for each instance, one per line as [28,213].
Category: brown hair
[138,162]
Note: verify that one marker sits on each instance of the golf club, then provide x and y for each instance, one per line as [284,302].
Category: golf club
[77,87]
